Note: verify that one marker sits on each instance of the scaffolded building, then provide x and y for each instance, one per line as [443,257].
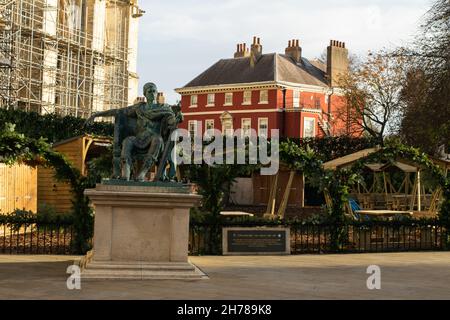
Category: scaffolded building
[71,57]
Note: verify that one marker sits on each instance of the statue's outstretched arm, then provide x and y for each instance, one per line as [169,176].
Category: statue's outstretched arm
[159,113]
[107,113]
[111,113]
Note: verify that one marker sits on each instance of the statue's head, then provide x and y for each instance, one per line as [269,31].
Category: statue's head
[150,92]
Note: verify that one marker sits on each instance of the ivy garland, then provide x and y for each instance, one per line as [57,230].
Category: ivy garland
[15,147]
[51,126]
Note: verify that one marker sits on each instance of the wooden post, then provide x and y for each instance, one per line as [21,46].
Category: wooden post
[418,191]
[413,195]
[284,202]
[303,190]
[272,197]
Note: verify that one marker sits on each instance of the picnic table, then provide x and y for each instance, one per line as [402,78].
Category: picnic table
[236,213]
[383,212]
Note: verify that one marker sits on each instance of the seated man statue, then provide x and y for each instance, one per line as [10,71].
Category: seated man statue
[140,129]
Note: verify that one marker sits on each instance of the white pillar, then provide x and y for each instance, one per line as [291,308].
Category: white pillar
[99,25]
[133,78]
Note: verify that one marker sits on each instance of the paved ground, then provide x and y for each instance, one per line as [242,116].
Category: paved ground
[403,276]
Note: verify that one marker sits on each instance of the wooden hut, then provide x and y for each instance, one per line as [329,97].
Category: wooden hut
[18,188]
[78,150]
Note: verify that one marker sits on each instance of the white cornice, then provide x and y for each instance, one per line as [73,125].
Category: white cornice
[232,111]
[228,87]
[257,85]
[304,87]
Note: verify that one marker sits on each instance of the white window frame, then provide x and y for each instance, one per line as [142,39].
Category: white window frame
[260,120]
[317,99]
[194,122]
[261,101]
[305,119]
[208,134]
[242,126]
[209,121]
[229,131]
[296,100]
[230,95]
[193,105]
[249,101]
[208,104]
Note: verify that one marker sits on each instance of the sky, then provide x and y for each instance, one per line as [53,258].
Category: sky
[179,39]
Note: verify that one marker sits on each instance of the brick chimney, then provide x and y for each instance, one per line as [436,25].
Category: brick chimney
[139,100]
[160,98]
[255,51]
[337,61]
[294,50]
[241,51]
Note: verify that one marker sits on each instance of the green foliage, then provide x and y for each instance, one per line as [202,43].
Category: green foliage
[328,148]
[23,218]
[214,183]
[101,167]
[52,127]
[48,214]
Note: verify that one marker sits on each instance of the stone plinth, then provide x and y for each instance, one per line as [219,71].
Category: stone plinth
[141,231]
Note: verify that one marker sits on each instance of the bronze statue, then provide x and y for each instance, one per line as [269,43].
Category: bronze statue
[142,133]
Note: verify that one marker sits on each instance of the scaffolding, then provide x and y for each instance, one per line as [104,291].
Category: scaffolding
[70,57]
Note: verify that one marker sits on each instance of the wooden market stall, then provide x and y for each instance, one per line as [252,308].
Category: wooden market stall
[18,188]
[78,150]
[382,195]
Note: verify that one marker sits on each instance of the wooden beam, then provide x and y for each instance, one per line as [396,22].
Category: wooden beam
[287,191]
[272,197]
[418,191]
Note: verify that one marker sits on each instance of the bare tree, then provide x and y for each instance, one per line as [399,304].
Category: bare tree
[426,121]
[372,90]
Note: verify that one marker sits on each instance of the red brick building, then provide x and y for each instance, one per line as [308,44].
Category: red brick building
[268,91]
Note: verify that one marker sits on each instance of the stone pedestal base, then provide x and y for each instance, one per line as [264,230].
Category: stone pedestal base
[137,270]
[140,232]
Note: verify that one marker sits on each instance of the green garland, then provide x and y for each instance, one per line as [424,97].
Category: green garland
[52,127]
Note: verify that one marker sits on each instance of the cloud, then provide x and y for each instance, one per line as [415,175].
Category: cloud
[181,38]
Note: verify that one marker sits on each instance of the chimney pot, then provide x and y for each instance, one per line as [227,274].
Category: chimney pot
[337,61]
[294,51]
[255,51]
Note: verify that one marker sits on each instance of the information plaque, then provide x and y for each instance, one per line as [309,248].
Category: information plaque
[246,241]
